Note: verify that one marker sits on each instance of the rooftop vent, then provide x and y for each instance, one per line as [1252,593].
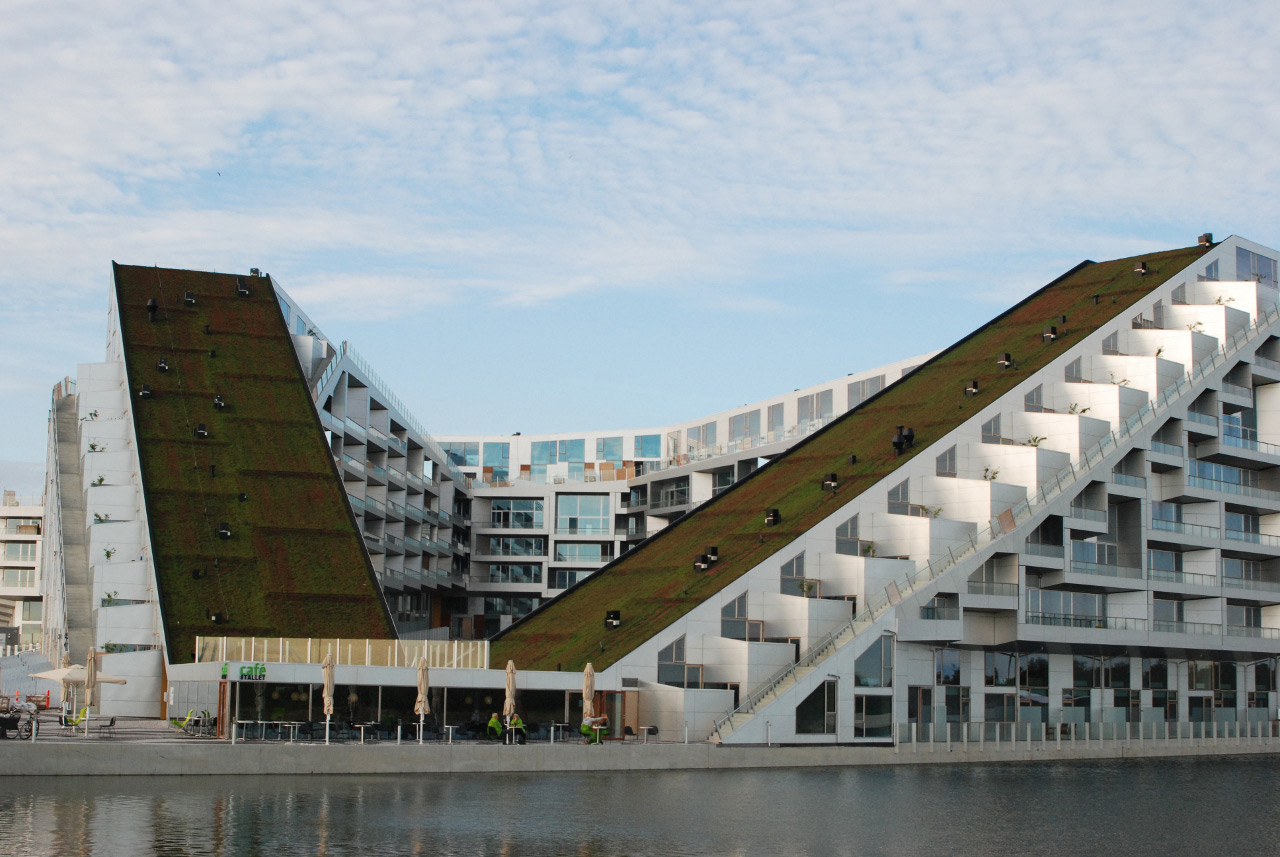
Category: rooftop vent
[702,563]
[1050,333]
[145,392]
[903,439]
[242,288]
[242,497]
[189,299]
[853,459]
[1006,361]
[613,619]
[972,388]
[1205,240]
[162,364]
[713,553]
[217,401]
[772,517]
[201,431]
[830,482]
[1141,269]
[254,272]
[224,530]
[152,306]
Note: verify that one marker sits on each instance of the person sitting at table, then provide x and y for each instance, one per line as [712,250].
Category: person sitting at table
[591,733]
[517,729]
[494,729]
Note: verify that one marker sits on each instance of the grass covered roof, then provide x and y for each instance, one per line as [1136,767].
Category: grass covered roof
[295,565]
[656,584]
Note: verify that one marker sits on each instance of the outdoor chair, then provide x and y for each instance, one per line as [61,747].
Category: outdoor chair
[69,724]
[180,723]
[108,728]
[628,734]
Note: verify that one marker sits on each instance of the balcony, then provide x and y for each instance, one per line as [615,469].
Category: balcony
[1129,481]
[1168,449]
[1255,585]
[376,474]
[395,511]
[1233,488]
[1186,578]
[1164,626]
[353,429]
[932,613]
[1203,419]
[1253,631]
[1238,391]
[1105,570]
[986,587]
[1068,620]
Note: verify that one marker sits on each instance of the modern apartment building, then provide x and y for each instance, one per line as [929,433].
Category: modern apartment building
[1071,516]
[21,605]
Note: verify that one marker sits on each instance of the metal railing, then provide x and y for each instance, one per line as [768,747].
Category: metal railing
[1252,538]
[1050,490]
[987,587]
[440,654]
[1203,419]
[1037,549]
[1185,577]
[1073,620]
[1105,570]
[1131,481]
[1164,626]
[1184,529]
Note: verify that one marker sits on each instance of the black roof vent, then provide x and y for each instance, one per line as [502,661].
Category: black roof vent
[189,299]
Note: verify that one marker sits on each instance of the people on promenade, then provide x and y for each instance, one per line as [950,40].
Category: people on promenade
[594,729]
[494,729]
[517,729]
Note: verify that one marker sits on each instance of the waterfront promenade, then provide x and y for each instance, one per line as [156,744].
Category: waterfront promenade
[148,749]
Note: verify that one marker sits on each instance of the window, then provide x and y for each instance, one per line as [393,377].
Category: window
[1264,676]
[1251,266]
[20,551]
[874,667]
[33,611]
[1244,615]
[1086,671]
[1155,674]
[1033,670]
[872,716]
[847,541]
[1211,270]
[517,514]
[945,464]
[1073,373]
[957,700]
[584,552]
[582,514]
[744,427]
[543,452]
[815,406]
[946,667]
[1111,344]
[701,437]
[497,454]
[1077,699]
[515,606]
[860,391]
[1033,401]
[1241,569]
[900,498]
[776,426]
[1001,669]
[563,578]
[1167,611]
[463,454]
[672,669]
[648,446]
[517,546]
[735,625]
[991,430]
[609,449]
[503,573]
[817,714]
[793,579]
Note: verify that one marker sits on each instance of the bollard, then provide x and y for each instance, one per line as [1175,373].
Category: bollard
[915,740]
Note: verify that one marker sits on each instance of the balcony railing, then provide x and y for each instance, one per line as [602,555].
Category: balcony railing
[1237,390]
[1232,488]
[986,587]
[1247,438]
[1164,626]
[1244,583]
[1081,567]
[1266,362]
[1184,577]
[1131,481]
[1084,514]
[1185,529]
[1203,419]
[1036,549]
[939,614]
[1253,631]
[1167,449]
[352,463]
[1253,538]
[1069,620]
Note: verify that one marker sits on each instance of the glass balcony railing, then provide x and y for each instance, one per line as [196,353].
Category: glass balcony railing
[987,587]
[1253,538]
[1131,481]
[1068,620]
[352,463]
[1185,529]
[1081,567]
[1253,631]
[1244,583]
[1232,488]
[1036,549]
[939,614]
[1203,419]
[1164,626]
[1167,449]
[1084,514]
[1237,390]
[1184,577]
[1266,362]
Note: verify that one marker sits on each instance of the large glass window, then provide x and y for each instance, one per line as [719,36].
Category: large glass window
[817,714]
[648,446]
[874,667]
[463,454]
[582,514]
[515,606]
[563,578]
[815,406]
[584,552]
[776,426]
[20,551]
[1250,266]
[1001,669]
[744,427]
[701,437]
[609,449]
[1086,671]
[900,498]
[672,669]
[504,573]
[1073,373]
[991,430]
[860,391]
[517,546]
[945,464]
[1155,674]
[497,454]
[946,666]
[517,514]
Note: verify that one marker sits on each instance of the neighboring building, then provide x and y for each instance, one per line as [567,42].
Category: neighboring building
[1084,528]
[21,614]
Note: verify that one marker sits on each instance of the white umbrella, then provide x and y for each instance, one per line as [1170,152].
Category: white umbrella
[75,674]
[420,706]
[588,692]
[90,683]
[326,669]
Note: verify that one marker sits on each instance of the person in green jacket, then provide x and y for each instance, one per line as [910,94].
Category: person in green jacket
[517,729]
[590,733]
[494,729]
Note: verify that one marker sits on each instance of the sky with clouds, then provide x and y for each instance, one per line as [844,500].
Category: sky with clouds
[542,216]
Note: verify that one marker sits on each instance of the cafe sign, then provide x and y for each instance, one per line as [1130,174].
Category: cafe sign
[249,672]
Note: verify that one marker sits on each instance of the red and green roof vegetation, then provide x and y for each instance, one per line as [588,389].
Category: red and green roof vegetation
[656,584]
[295,565]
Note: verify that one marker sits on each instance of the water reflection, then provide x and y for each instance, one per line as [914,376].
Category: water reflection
[1157,808]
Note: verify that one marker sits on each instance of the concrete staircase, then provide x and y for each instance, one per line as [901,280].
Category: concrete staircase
[74,548]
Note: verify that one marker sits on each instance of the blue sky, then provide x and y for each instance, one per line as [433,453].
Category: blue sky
[552,216]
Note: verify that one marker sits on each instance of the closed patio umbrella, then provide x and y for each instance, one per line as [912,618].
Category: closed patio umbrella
[326,670]
[90,683]
[420,706]
[588,692]
[509,704]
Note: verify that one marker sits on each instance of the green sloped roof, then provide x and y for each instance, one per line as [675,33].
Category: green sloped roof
[655,584]
[295,565]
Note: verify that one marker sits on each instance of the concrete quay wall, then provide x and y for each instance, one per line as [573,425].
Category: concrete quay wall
[213,758]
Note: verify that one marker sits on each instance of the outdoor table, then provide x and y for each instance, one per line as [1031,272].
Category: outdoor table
[450,729]
[244,728]
[364,726]
[646,730]
[292,726]
[561,727]
[596,729]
